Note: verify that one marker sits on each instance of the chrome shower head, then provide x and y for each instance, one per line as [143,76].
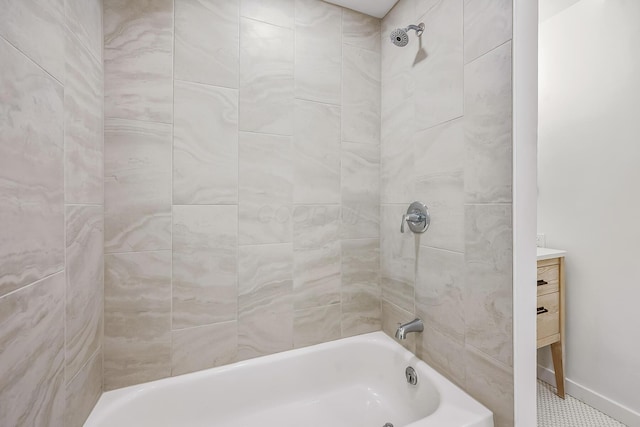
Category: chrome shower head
[399,36]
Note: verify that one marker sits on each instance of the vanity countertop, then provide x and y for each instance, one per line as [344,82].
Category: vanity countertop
[548,253]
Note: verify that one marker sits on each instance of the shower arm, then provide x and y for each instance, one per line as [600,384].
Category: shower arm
[419,29]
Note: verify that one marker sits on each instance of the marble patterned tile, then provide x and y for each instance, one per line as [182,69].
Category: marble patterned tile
[488,127]
[266,78]
[261,332]
[488,296]
[318,51]
[398,127]
[398,255]
[205,144]
[84,287]
[438,66]
[265,279]
[83,125]
[265,303]
[316,276]
[491,383]
[84,19]
[205,278]
[21,20]
[138,60]
[361,318]
[487,24]
[204,347]
[316,325]
[361,30]
[137,318]
[440,288]
[439,182]
[215,61]
[360,95]
[315,225]
[32,356]
[316,151]
[360,187]
[360,271]
[441,351]
[265,188]
[276,12]
[424,6]
[83,392]
[137,186]
[392,317]
[31,170]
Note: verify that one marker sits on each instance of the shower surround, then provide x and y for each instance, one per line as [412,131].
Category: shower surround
[241,181]
[257,161]
[447,141]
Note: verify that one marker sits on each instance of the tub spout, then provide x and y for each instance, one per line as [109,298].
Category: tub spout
[415,325]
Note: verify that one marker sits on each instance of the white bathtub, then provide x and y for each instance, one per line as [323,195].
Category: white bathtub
[353,382]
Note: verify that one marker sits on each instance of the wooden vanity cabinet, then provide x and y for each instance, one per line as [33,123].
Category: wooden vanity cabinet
[550,309]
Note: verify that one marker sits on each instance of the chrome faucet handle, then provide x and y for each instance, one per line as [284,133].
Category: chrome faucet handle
[415,218]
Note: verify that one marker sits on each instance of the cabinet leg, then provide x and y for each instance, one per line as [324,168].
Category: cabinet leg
[556,353]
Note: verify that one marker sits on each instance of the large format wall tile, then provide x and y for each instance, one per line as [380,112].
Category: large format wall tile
[316,257]
[138,59]
[439,70]
[318,51]
[441,351]
[360,30]
[360,188]
[265,278]
[487,24]
[361,290]
[398,125]
[203,347]
[137,186]
[206,41]
[85,291]
[439,182]
[316,325]
[488,298]
[84,19]
[439,290]
[487,127]
[491,383]
[205,147]
[398,253]
[316,144]
[360,95]
[205,242]
[265,303]
[137,316]
[83,125]
[276,12]
[20,20]
[31,171]
[83,392]
[266,78]
[266,188]
[32,355]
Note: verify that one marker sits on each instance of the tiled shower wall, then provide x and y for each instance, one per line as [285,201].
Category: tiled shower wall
[446,141]
[242,145]
[51,210]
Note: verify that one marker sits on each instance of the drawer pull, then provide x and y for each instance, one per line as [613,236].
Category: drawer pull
[542,310]
[542,282]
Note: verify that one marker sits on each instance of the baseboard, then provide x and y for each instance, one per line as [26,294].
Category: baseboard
[603,404]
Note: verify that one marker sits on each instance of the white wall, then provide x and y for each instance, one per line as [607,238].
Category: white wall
[589,190]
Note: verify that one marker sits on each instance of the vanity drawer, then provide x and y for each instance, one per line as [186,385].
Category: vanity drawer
[548,279]
[548,318]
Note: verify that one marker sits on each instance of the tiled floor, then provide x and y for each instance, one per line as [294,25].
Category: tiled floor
[555,412]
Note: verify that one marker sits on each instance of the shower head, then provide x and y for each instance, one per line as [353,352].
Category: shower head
[399,36]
